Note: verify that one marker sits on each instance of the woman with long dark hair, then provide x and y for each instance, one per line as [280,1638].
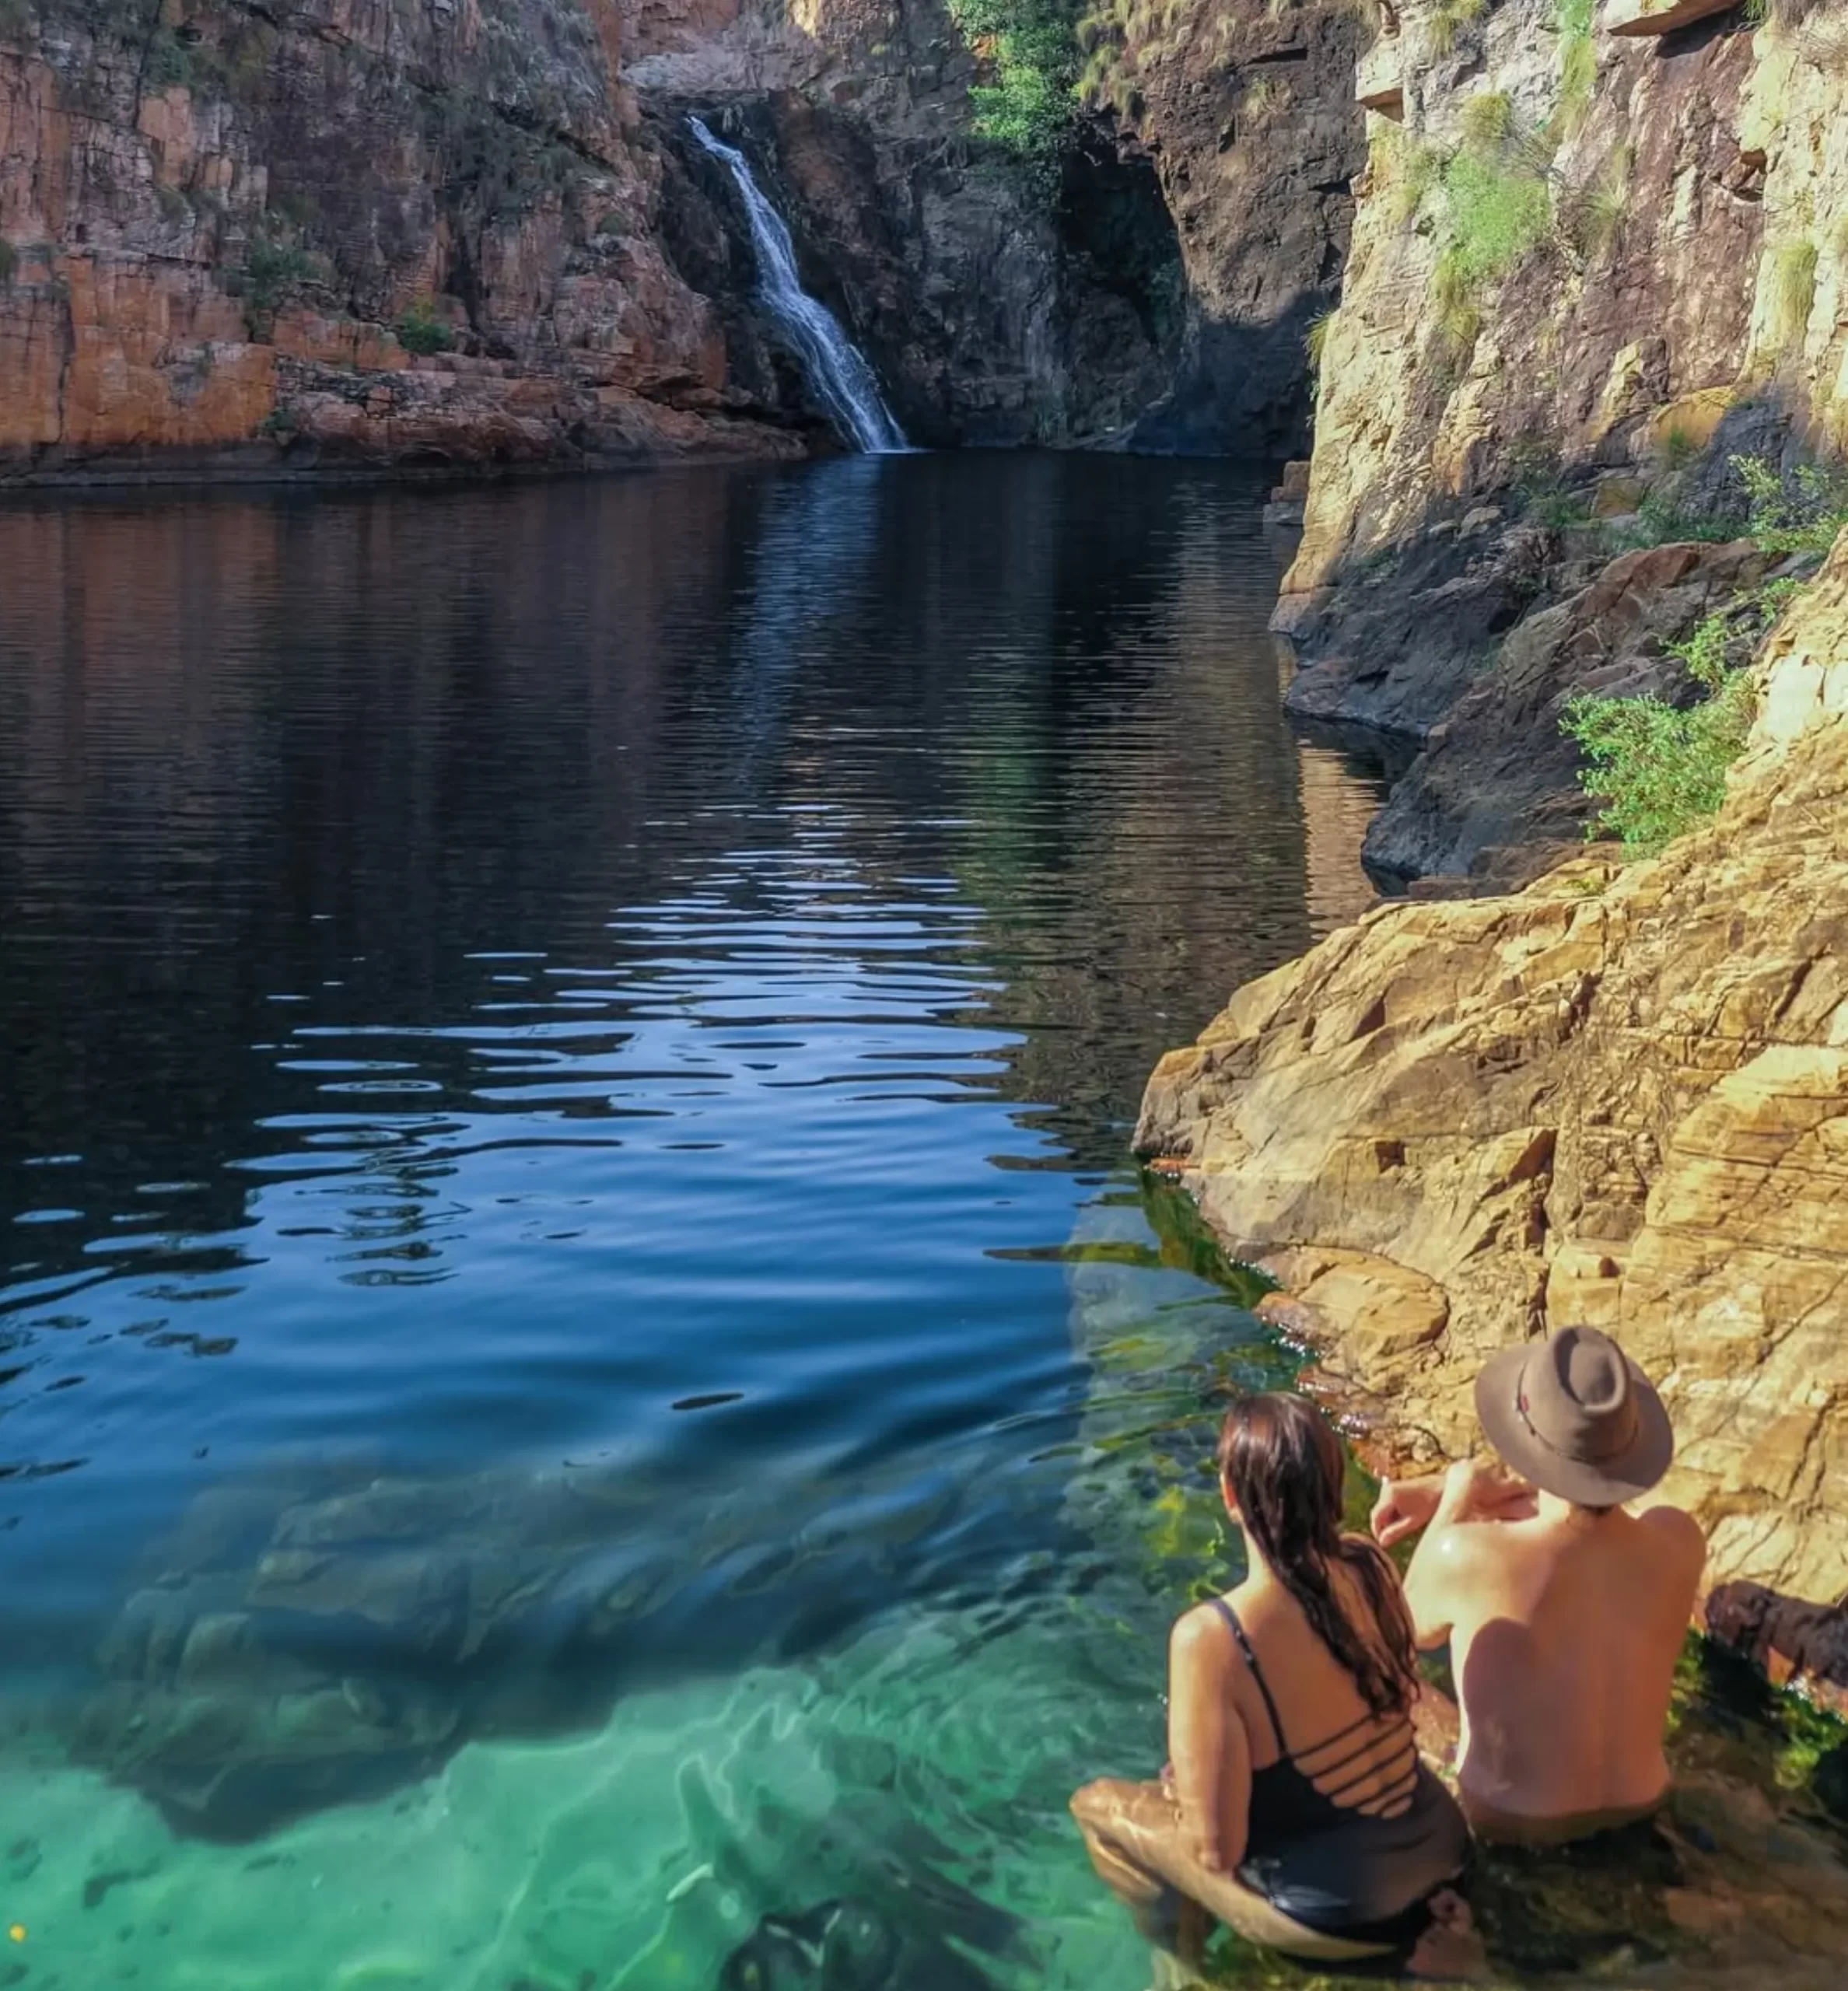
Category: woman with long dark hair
[1295,1806]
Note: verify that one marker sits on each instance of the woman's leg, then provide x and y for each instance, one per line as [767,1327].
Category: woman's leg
[1154,1906]
[1132,1832]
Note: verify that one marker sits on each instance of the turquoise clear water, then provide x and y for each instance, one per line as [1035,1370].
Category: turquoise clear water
[558,1042]
[580,1364]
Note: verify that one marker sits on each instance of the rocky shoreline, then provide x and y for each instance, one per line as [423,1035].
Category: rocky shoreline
[1617,1097]
[1554,1081]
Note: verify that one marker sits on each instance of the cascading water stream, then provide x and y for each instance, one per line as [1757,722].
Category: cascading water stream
[837,369]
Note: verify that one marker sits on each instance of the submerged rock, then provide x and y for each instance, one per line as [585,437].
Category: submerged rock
[353,1630]
[847,1945]
[840,1946]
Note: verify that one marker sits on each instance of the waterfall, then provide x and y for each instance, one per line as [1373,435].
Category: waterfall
[837,369]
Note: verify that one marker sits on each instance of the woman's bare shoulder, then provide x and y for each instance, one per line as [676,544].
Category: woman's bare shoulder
[1202,1631]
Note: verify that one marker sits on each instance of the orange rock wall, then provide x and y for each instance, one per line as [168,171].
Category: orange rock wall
[483,165]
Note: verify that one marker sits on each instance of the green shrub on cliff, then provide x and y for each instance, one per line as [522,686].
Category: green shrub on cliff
[10,260]
[420,330]
[1661,768]
[1805,510]
[270,276]
[1494,214]
[1031,48]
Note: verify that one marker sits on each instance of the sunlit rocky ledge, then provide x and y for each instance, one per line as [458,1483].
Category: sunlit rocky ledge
[1636,17]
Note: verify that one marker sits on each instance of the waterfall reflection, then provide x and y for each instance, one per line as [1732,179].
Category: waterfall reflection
[480,970]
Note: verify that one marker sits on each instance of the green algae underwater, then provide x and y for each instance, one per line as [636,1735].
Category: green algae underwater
[918,1774]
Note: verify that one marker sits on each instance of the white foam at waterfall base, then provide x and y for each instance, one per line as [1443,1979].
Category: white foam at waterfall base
[837,370]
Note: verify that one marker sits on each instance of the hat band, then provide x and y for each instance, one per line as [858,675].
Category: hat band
[1585,1454]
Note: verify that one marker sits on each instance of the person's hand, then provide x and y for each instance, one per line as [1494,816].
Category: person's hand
[1483,1490]
[1404,1506]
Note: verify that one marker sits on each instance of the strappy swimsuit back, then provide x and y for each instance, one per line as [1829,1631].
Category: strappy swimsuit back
[1352,1835]
[1309,1790]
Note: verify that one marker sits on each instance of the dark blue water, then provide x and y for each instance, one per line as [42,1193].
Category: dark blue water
[582,1371]
[566,1054]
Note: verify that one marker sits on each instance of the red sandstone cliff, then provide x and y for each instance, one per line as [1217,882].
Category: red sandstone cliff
[224,229]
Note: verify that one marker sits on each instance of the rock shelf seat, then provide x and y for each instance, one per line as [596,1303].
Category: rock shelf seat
[1638,17]
[1620,1097]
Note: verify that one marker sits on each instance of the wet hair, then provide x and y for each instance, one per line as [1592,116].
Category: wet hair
[1283,1465]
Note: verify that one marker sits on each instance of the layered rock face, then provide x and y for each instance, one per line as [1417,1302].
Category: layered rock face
[1620,1097]
[375,232]
[1590,267]
[475,233]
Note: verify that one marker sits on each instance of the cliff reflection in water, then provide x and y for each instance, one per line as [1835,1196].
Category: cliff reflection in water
[603,987]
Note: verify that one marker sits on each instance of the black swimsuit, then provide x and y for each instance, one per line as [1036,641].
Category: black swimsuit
[1363,1868]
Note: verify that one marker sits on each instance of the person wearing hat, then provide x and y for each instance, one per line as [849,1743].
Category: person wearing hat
[1564,1613]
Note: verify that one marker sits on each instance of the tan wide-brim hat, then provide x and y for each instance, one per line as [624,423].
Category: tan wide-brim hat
[1574,1416]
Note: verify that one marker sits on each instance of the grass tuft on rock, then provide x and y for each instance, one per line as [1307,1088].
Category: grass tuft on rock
[1449,18]
[1454,307]
[1593,215]
[1784,13]
[1793,292]
[1488,121]
[1316,339]
[1406,170]
[1576,21]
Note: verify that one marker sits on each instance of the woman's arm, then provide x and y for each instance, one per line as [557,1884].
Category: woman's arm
[1211,1757]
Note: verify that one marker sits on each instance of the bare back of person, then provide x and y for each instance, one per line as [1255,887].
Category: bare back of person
[1565,1625]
